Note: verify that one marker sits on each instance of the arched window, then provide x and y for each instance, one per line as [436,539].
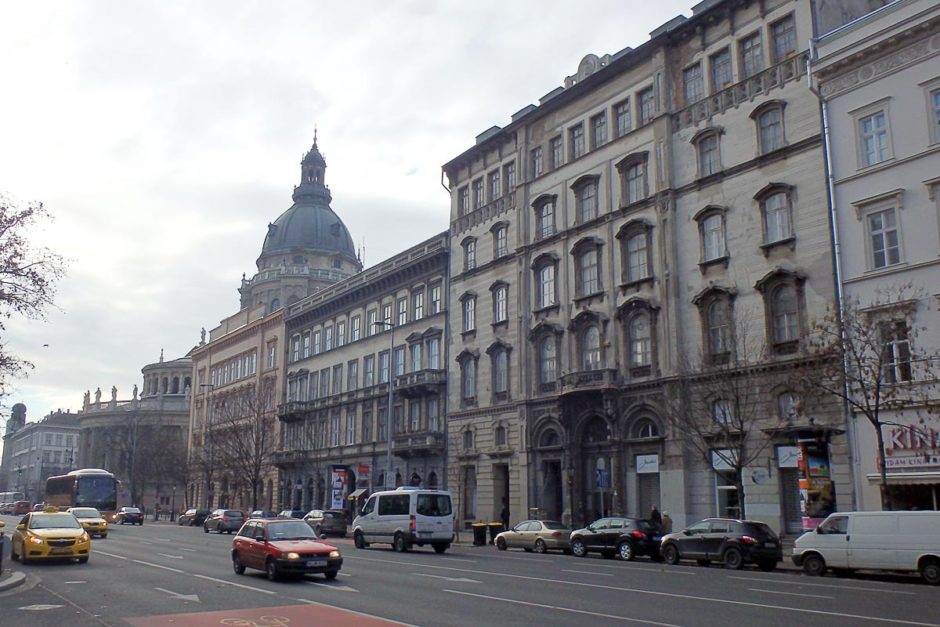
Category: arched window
[588,277]
[785,313]
[591,354]
[275,305]
[707,150]
[636,251]
[547,361]
[640,340]
[468,379]
[718,337]
[585,198]
[633,185]
[549,438]
[783,304]
[432,480]
[645,428]
[596,431]
[468,440]
[499,435]
[788,405]
[712,233]
[544,269]
[176,385]
[770,129]
[500,365]
[777,219]
[469,253]
[544,207]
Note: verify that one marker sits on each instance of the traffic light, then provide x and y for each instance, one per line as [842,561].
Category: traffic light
[19,472]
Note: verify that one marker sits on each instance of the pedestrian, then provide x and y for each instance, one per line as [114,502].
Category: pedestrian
[655,517]
[504,514]
[666,524]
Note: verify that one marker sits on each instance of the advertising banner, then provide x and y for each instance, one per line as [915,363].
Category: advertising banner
[338,480]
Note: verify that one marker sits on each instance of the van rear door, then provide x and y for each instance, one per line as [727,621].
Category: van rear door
[434,518]
[873,541]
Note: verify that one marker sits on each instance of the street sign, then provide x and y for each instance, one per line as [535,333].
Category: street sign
[601,478]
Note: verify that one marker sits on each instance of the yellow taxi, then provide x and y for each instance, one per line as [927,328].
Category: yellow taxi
[91,520]
[49,534]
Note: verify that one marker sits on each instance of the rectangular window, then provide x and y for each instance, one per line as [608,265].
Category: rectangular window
[546,220]
[434,353]
[536,158]
[416,357]
[783,33]
[599,130]
[469,314]
[587,202]
[368,370]
[494,185]
[294,350]
[557,150]
[935,114]
[402,311]
[721,69]
[417,304]
[371,319]
[383,367]
[334,429]
[873,136]
[399,419]
[752,57]
[463,200]
[693,82]
[623,117]
[367,426]
[414,416]
[897,352]
[399,361]
[883,235]
[48,439]
[328,338]
[435,299]
[324,383]
[499,304]
[546,286]
[433,414]
[501,242]
[306,344]
[647,106]
[713,237]
[351,426]
[509,176]
[478,198]
[316,343]
[352,375]
[355,328]
[470,254]
[387,316]
[337,379]
[634,183]
[314,385]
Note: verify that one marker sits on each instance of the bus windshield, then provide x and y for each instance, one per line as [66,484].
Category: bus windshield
[97,492]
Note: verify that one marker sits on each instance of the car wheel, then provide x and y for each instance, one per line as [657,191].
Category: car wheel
[206,529]
[440,548]
[626,551]
[767,565]
[399,543]
[814,565]
[359,540]
[331,574]
[930,572]
[83,560]
[270,569]
[578,548]
[500,544]
[540,546]
[237,565]
[733,558]
[220,530]
[671,554]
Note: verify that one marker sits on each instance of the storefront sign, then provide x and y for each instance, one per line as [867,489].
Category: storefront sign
[647,464]
[928,460]
[912,439]
[723,459]
[788,457]
[363,472]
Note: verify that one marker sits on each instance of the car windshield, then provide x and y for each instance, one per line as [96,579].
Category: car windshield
[290,531]
[86,512]
[433,505]
[53,521]
[645,525]
[234,514]
[551,524]
[332,515]
[131,510]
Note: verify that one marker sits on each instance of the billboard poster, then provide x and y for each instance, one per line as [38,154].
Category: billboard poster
[817,493]
[338,480]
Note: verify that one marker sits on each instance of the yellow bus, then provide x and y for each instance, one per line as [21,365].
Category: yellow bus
[89,487]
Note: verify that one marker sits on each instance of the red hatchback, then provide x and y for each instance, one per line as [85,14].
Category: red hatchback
[283,547]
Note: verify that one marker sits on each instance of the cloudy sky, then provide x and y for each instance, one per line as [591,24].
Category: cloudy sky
[165,136]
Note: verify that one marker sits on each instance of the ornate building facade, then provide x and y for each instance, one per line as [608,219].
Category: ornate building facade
[656,219]
[35,451]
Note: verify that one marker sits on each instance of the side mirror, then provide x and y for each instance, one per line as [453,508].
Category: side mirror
[686,532]
[259,538]
[817,530]
[323,536]
[21,527]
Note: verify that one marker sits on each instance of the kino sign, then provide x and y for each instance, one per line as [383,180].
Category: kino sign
[912,447]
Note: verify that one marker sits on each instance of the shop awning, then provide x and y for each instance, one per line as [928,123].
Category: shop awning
[909,478]
[355,494]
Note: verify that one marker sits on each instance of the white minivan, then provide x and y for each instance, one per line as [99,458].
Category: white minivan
[898,541]
[406,517]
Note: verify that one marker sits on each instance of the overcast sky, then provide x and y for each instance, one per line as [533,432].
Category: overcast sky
[165,136]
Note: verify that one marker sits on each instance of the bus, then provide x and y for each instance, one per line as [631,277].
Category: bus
[89,487]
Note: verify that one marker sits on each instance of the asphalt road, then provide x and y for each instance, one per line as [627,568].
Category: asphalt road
[161,574]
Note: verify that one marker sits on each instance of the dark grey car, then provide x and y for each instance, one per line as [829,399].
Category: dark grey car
[331,522]
[224,520]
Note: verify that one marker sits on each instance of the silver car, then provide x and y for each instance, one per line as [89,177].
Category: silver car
[536,535]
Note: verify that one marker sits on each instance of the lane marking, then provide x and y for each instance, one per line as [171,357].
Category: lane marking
[458,579]
[40,607]
[179,596]
[190,550]
[668,594]
[587,572]
[651,569]
[232,583]
[792,594]
[74,582]
[100,552]
[562,609]
[175,557]
[373,616]
[457,559]
[824,585]
[174,570]
[340,587]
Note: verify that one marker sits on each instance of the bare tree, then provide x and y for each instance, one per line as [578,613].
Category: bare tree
[28,277]
[722,410]
[870,360]
[243,434]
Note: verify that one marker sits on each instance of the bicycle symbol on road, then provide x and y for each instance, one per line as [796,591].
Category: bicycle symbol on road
[263,621]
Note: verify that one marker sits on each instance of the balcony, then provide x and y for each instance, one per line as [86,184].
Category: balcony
[421,444]
[288,457]
[483,214]
[293,410]
[420,383]
[589,381]
[792,68]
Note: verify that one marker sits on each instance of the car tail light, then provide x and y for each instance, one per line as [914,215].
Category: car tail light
[748,540]
[556,534]
[225,519]
[638,534]
[414,524]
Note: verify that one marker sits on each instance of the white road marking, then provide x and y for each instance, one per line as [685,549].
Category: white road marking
[175,570]
[180,596]
[824,585]
[232,583]
[75,582]
[39,607]
[460,579]
[164,540]
[587,572]
[340,588]
[792,594]
[100,552]
[562,609]
[176,557]
[190,550]
[457,559]
[666,594]
[651,569]
[333,607]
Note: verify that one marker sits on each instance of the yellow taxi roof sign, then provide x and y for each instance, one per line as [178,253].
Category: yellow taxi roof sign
[50,509]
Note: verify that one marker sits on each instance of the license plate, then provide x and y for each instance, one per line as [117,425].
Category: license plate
[315,563]
[60,552]
[770,545]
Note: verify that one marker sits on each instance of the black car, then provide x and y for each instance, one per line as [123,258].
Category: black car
[734,542]
[192,517]
[293,513]
[130,516]
[626,537]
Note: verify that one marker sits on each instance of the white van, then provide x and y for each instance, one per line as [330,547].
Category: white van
[847,541]
[406,517]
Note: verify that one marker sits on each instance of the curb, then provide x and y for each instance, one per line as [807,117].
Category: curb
[14,580]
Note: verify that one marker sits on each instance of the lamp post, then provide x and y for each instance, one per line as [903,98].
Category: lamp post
[389,416]
[173,505]
[207,442]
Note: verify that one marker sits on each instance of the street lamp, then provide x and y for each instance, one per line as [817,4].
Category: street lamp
[173,505]
[389,420]
[207,441]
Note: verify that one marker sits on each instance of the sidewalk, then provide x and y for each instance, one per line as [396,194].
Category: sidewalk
[10,579]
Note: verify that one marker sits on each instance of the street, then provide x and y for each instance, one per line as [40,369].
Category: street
[161,573]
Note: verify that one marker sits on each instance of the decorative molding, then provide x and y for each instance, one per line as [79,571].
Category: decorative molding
[860,75]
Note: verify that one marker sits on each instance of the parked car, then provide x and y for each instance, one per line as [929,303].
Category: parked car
[22,507]
[224,520]
[283,547]
[50,534]
[327,521]
[263,513]
[406,517]
[91,520]
[734,542]
[292,513]
[536,535]
[6,508]
[130,516]
[626,537]
[192,517]
[845,541]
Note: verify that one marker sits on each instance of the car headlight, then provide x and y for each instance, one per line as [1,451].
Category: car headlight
[334,553]
[35,540]
[84,537]
[292,556]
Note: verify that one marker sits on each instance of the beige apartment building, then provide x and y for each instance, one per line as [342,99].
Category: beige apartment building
[661,216]
[239,369]
[355,349]
[878,76]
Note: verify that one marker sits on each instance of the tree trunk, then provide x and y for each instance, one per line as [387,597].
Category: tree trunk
[885,497]
[739,485]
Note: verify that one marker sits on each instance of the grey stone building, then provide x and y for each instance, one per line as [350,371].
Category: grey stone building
[35,451]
